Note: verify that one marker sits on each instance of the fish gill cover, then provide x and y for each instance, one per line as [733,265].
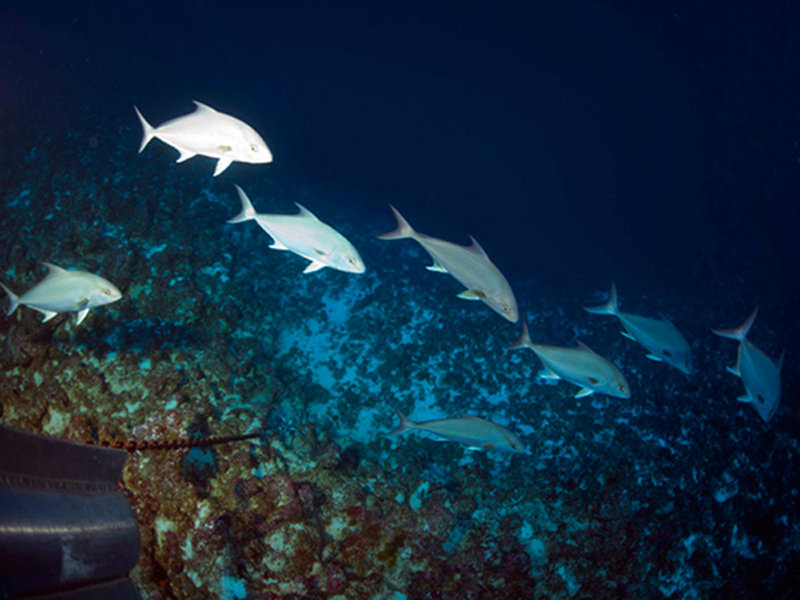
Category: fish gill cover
[580,144]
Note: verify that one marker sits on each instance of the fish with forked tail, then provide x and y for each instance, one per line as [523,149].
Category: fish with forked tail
[476,433]
[208,132]
[580,365]
[469,265]
[65,291]
[760,375]
[660,337]
[305,235]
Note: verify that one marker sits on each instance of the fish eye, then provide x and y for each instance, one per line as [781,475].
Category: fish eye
[254,147]
[506,310]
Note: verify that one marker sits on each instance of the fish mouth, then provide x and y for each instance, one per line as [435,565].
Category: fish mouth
[622,393]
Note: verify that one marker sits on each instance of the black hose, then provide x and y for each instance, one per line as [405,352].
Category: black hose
[66,530]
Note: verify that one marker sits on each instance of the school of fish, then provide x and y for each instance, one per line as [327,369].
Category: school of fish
[213,134]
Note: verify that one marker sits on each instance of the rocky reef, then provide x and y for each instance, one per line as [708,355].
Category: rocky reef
[679,492]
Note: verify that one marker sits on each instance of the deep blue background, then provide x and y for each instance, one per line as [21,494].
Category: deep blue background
[653,143]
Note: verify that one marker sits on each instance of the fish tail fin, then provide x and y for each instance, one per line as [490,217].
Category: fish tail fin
[247,212]
[524,340]
[609,308]
[404,230]
[405,424]
[148,133]
[13,298]
[740,332]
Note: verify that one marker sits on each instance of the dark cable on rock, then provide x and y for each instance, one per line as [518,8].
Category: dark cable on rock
[133,446]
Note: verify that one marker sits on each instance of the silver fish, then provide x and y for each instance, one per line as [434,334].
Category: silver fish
[65,291]
[469,265]
[659,336]
[476,433]
[760,375]
[305,235]
[580,365]
[208,132]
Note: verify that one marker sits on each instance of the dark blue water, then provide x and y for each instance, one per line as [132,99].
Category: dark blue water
[579,142]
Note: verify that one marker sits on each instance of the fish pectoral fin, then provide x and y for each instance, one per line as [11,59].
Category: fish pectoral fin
[321,252]
[436,268]
[222,164]
[733,371]
[745,399]
[546,373]
[315,265]
[583,392]
[81,316]
[185,155]
[654,357]
[224,148]
[472,295]
[627,335]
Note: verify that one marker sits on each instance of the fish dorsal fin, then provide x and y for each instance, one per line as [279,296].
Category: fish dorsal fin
[463,415]
[304,212]
[779,364]
[203,108]
[583,346]
[53,270]
[476,247]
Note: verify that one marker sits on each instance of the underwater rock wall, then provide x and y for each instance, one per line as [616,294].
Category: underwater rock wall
[678,492]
